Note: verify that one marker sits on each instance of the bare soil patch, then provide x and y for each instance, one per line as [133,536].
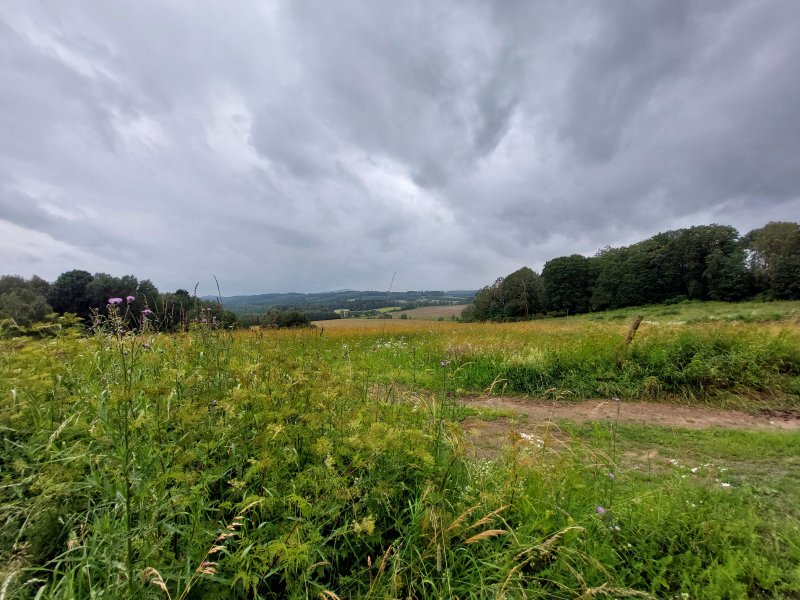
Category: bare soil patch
[533,423]
[536,411]
[487,439]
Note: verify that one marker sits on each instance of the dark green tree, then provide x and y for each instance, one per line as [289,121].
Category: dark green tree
[148,295]
[68,293]
[39,286]
[786,277]
[605,268]
[726,275]
[690,249]
[12,283]
[488,302]
[104,286]
[566,284]
[522,295]
[768,247]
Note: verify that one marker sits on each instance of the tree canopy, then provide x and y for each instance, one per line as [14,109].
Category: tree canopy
[706,262]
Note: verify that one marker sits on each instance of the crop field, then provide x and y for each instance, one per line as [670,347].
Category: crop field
[432,312]
[407,459]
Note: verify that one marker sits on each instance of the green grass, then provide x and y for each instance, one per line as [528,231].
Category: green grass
[753,311]
[311,464]
[386,309]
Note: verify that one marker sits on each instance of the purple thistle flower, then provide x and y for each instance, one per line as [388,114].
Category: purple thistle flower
[600,510]
[129,299]
[147,312]
[115,301]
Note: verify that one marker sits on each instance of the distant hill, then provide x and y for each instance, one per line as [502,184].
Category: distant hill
[354,300]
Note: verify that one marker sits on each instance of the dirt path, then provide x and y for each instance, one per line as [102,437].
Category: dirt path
[648,413]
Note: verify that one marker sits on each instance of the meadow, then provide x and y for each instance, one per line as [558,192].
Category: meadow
[341,462]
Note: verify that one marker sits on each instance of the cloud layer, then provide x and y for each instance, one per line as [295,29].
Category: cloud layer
[305,145]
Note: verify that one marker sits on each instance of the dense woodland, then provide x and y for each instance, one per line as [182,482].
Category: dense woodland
[708,262]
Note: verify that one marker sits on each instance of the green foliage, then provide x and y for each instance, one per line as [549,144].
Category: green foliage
[512,298]
[22,302]
[786,277]
[286,318]
[23,307]
[773,250]
[567,281]
[68,293]
[487,304]
[708,262]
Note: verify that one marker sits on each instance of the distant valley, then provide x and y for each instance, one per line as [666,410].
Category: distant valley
[350,302]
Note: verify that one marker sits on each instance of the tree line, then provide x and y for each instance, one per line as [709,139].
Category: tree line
[24,303]
[707,262]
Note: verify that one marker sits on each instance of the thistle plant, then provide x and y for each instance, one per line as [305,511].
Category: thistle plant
[124,344]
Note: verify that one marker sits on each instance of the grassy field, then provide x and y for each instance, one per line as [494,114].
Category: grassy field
[333,462]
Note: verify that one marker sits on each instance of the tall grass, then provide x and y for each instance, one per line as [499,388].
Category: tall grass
[747,365]
[710,363]
[330,464]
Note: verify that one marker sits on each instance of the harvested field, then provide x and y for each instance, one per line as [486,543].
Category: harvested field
[432,313]
[376,325]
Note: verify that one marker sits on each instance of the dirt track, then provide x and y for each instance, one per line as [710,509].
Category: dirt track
[647,413]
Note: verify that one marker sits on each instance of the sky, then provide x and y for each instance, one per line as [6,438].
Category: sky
[309,146]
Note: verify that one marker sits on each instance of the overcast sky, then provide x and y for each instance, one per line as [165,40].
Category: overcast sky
[302,146]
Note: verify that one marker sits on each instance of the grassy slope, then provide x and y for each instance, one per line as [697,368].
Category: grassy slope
[701,312]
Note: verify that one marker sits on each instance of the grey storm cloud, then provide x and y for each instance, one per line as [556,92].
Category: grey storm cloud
[303,145]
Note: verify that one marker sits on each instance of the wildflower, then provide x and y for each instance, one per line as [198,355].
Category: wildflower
[114,301]
[130,299]
[444,363]
[533,439]
[147,312]
[600,510]
[725,485]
